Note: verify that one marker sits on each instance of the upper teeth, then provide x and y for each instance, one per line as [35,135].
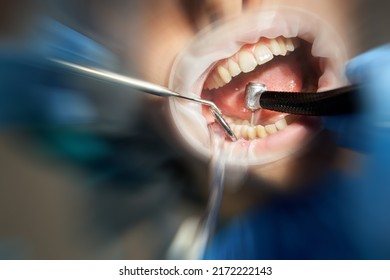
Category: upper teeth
[247,59]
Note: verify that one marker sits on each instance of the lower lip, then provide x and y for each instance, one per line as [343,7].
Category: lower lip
[278,145]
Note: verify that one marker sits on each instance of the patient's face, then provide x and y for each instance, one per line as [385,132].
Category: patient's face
[287,45]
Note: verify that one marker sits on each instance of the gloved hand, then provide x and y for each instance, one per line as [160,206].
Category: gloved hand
[373,69]
[35,94]
[370,69]
[32,91]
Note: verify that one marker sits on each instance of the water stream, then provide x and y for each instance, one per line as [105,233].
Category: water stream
[216,186]
[196,234]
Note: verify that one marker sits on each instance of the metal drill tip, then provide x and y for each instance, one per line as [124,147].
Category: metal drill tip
[253,93]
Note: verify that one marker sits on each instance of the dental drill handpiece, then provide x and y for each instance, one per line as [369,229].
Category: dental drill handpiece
[338,101]
[146,87]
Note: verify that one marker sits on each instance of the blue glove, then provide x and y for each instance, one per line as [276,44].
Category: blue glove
[371,69]
[32,91]
[37,95]
[344,217]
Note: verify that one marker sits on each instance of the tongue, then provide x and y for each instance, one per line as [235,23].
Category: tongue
[281,74]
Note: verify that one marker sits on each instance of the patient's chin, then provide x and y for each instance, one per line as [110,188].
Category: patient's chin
[298,170]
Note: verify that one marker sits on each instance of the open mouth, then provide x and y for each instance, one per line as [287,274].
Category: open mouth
[283,64]
[286,50]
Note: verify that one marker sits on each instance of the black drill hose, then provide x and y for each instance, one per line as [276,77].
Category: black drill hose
[333,102]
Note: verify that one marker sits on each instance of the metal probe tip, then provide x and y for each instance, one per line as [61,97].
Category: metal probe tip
[224,124]
[253,92]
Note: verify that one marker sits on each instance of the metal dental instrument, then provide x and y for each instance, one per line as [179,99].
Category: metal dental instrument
[253,92]
[338,101]
[146,87]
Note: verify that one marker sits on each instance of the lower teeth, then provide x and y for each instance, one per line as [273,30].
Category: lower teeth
[244,130]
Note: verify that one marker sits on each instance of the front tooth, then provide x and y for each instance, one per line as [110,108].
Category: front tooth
[282,45]
[224,74]
[245,122]
[244,131]
[281,124]
[261,133]
[217,80]
[271,129]
[246,61]
[274,47]
[237,130]
[251,132]
[233,67]
[263,54]
[290,45]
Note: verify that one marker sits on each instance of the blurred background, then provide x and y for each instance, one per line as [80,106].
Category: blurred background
[84,172]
